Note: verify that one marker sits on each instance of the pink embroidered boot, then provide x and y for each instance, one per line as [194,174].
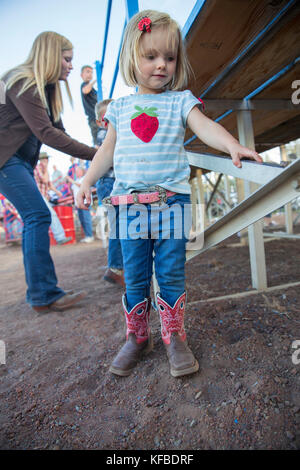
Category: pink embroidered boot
[181,358]
[138,338]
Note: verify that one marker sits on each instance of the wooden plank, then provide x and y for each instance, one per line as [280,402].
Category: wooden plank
[279,135]
[253,104]
[251,170]
[201,197]
[277,49]
[221,31]
[263,121]
[240,295]
[279,191]
[273,53]
[276,235]
[287,207]
[270,128]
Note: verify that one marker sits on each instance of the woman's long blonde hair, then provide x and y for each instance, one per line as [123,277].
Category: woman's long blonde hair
[43,67]
[131,51]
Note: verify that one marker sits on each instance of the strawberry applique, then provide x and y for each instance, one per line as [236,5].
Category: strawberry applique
[144,123]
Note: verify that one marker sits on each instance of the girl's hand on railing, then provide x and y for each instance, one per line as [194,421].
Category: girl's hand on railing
[238,151]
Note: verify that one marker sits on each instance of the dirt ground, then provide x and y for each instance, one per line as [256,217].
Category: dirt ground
[56,391]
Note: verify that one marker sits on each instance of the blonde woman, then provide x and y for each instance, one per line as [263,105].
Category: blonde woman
[30,117]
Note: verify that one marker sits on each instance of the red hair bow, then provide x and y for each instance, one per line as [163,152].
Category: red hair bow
[145,24]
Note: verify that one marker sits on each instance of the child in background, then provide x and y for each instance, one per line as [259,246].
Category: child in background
[84,215]
[145,143]
[104,186]
[100,110]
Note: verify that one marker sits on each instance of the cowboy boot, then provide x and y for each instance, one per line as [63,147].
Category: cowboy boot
[181,358]
[138,338]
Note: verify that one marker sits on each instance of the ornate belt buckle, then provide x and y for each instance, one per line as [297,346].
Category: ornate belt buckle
[162,194]
[107,201]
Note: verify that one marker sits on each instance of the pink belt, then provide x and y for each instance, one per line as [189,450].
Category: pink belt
[161,195]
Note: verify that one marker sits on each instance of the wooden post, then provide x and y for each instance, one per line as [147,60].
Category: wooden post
[287,207]
[201,195]
[241,196]
[255,231]
[194,204]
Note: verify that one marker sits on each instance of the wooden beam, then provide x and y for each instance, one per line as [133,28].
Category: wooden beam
[276,235]
[255,231]
[223,30]
[278,47]
[279,191]
[260,173]
[254,104]
[246,294]
[287,207]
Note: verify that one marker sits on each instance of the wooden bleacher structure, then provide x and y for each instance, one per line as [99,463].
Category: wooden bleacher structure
[245,58]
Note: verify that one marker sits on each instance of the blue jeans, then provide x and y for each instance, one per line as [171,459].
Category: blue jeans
[86,221]
[18,185]
[167,242]
[104,187]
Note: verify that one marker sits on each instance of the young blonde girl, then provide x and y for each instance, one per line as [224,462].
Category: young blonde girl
[145,138]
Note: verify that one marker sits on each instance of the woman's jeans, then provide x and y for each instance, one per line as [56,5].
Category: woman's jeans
[18,185]
[86,221]
[164,234]
[104,188]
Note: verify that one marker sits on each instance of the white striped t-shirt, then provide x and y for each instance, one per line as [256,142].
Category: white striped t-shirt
[149,148]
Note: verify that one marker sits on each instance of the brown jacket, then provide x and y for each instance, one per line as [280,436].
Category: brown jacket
[20,117]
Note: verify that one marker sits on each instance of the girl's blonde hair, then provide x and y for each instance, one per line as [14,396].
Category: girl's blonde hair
[131,51]
[43,67]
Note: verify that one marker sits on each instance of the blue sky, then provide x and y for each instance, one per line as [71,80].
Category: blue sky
[83,23]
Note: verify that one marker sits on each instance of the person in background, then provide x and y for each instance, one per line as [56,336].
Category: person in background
[31,116]
[57,177]
[84,215]
[44,184]
[71,173]
[114,272]
[89,98]
[65,188]
[72,168]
